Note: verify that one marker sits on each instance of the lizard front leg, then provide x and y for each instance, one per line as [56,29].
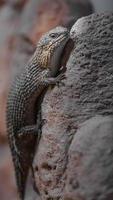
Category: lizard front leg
[47,78]
[54,81]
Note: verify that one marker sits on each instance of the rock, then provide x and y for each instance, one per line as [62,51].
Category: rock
[16,4]
[8,188]
[90,161]
[8,24]
[2,2]
[74,156]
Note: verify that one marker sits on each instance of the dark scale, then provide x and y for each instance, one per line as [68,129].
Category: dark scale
[23,126]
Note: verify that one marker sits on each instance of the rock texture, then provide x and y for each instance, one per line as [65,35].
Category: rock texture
[90,161]
[74,157]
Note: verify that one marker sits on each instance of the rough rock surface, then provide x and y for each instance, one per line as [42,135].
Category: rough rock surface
[74,157]
[90,161]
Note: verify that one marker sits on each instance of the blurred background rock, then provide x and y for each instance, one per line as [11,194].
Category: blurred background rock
[22,22]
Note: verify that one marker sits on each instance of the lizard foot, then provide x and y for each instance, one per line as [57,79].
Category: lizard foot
[59,79]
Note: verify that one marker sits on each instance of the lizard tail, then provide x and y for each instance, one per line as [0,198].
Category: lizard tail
[21,178]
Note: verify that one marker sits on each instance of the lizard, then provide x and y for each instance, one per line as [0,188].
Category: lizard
[26,89]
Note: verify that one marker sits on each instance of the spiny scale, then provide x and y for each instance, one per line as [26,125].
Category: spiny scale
[26,90]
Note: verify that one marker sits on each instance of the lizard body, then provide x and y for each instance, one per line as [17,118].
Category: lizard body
[26,89]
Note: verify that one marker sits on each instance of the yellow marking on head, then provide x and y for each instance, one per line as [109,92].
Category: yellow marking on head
[46,56]
[45,52]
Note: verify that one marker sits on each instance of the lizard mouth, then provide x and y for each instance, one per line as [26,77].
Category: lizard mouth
[64,37]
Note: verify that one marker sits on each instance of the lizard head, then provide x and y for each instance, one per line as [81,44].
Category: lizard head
[50,47]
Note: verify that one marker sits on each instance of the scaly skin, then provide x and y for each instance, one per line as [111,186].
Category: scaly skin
[26,89]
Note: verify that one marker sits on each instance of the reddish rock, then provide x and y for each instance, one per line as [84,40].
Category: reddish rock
[17,4]
[41,16]
[7,181]
[8,23]
[2,2]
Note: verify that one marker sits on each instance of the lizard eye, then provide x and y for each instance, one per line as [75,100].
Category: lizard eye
[53,35]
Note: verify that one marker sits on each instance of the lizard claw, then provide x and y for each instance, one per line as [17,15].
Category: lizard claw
[62,69]
[59,79]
